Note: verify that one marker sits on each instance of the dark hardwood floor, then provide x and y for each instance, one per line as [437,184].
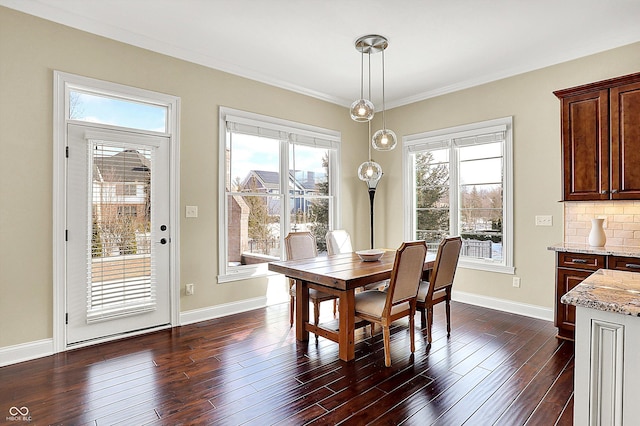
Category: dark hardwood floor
[496,368]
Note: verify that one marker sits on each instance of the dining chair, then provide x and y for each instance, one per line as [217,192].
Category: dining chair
[302,245]
[438,288]
[384,307]
[338,242]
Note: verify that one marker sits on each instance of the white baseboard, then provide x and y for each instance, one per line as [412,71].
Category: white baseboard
[25,351]
[525,309]
[217,311]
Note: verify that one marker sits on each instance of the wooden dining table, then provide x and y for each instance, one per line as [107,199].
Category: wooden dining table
[339,275]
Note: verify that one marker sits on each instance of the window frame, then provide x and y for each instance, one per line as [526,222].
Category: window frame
[443,138]
[227,273]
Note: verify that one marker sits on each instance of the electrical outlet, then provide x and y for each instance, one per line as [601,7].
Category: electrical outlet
[189,289]
[516,282]
[544,220]
[191,211]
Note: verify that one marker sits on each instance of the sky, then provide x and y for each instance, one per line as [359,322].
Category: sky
[118,112]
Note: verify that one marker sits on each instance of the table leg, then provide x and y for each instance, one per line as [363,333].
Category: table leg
[347,326]
[302,310]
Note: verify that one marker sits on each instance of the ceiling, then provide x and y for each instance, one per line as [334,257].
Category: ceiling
[307,46]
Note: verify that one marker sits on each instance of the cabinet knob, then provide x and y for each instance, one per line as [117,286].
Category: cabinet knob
[604,191]
[614,191]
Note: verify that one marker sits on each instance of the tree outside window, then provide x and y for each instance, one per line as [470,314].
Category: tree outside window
[461,185]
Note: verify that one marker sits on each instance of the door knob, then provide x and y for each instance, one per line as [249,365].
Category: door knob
[163,241]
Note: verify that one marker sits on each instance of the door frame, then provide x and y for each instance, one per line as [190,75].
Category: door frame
[62,82]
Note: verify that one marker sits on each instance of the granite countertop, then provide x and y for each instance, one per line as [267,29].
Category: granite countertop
[608,290]
[606,250]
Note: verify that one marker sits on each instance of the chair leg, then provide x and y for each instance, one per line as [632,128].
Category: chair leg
[387,345]
[423,318]
[412,332]
[335,305]
[448,309]
[429,322]
[292,303]
[316,312]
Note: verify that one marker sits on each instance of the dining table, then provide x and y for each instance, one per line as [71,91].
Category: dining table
[339,275]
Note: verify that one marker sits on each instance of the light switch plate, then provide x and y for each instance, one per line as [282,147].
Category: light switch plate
[191,211]
[544,220]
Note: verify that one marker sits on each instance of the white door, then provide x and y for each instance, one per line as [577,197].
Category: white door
[118,236]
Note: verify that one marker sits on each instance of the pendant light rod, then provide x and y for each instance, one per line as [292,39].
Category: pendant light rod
[362,76]
[369,143]
[369,77]
[384,124]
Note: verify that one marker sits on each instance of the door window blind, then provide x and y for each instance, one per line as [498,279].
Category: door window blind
[120,274]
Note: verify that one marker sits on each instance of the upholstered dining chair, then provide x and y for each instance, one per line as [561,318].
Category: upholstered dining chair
[438,288]
[338,242]
[399,300]
[302,245]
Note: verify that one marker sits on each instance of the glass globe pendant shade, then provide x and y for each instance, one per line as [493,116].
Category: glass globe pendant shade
[384,140]
[370,171]
[362,110]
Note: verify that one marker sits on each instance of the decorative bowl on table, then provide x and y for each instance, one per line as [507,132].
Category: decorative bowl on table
[370,255]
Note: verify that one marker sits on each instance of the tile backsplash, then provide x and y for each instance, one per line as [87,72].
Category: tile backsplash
[621,225]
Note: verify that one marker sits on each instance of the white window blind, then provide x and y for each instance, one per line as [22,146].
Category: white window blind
[120,277]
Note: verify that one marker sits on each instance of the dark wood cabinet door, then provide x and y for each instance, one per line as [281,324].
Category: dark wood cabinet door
[625,141]
[585,146]
[565,318]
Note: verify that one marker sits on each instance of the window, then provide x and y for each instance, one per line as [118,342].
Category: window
[124,112]
[127,189]
[129,211]
[276,176]
[458,181]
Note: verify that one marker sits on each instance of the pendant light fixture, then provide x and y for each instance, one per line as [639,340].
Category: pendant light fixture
[384,139]
[363,109]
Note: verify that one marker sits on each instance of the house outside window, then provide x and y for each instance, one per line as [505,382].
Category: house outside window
[458,181]
[277,176]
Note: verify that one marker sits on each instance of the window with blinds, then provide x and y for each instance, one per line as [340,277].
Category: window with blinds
[120,273]
[278,176]
[458,182]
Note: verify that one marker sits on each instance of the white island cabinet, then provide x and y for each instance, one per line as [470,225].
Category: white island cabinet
[607,348]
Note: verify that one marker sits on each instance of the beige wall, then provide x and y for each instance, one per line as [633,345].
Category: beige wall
[30,49]
[537,169]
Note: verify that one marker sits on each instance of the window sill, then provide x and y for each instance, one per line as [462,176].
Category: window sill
[245,273]
[486,266]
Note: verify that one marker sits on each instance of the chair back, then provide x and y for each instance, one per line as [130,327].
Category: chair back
[406,273]
[300,245]
[444,268]
[338,242]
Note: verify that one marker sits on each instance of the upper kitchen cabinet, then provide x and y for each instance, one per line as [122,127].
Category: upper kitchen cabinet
[601,140]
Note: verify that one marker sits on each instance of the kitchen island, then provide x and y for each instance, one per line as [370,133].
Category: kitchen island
[607,348]
[574,263]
